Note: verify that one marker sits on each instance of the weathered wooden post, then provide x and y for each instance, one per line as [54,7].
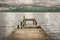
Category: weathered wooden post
[18,27]
[21,25]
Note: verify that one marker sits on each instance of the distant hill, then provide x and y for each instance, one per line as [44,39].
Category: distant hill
[30,5]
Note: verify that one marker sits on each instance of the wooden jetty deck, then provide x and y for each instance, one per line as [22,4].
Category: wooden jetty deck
[28,34]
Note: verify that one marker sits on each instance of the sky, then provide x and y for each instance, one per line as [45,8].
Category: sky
[38,2]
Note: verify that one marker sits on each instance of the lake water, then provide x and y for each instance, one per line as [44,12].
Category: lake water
[49,21]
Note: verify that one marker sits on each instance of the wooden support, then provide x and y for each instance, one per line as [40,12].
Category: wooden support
[23,23]
[18,27]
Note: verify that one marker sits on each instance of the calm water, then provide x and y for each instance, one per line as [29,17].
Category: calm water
[48,21]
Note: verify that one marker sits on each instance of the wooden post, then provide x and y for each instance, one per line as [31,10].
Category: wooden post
[21,25]
[33,22]
[18,27]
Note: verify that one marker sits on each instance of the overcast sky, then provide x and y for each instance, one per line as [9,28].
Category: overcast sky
[39,2]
